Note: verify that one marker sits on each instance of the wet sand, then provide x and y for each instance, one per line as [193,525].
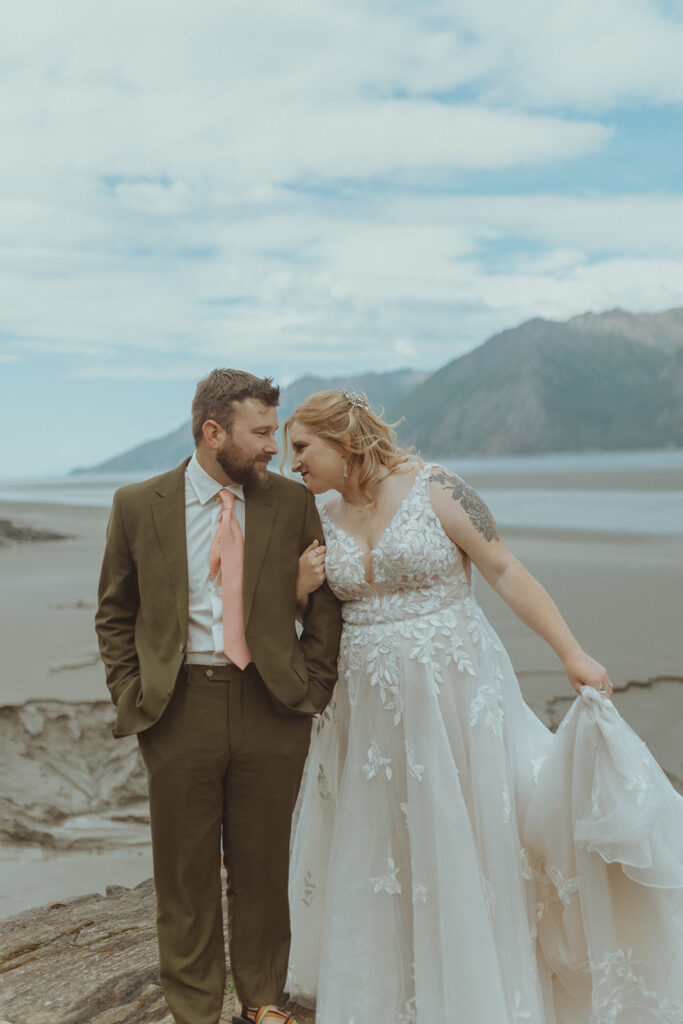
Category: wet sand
[48,592]
[622,596]
[595,480]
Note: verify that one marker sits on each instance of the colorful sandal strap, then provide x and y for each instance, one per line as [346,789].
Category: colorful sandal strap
[271,1016]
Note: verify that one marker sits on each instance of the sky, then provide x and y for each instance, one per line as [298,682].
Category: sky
[320,187]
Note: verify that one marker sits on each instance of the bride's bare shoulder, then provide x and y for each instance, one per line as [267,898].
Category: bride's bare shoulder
[396,484]
[333,506]
[410,469]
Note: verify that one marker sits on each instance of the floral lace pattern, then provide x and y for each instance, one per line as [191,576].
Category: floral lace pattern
[407,562]
[388,883]
[409,1014]
[309,890]
[323,785]
[417,884]
[620,986]
[376,763]
[488,705]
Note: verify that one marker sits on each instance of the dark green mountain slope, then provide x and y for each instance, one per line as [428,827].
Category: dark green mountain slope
[586,384]
[604,381]
[165,452]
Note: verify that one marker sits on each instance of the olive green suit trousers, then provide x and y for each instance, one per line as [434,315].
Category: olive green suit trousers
[224,749]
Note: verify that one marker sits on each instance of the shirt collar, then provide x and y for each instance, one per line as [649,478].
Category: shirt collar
[204,485]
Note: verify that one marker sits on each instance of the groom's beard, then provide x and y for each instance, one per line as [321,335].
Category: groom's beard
[241,468]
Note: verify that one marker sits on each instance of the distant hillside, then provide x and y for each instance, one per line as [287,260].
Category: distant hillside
[600,381]
[383,389]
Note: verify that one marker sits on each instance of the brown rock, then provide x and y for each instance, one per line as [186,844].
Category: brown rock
[59,760]
[11,533]
[89,960]
[92,958]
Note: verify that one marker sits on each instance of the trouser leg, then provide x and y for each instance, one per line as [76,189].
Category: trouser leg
[268,752]
[186,754]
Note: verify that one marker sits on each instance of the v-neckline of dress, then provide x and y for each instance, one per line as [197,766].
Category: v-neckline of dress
[371,551]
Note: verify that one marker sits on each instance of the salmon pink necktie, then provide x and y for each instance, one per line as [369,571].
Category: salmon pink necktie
[227,554]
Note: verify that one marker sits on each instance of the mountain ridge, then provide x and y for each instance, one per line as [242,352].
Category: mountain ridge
[598,381]
[170,449]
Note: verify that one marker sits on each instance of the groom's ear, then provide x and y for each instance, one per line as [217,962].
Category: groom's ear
[212,432]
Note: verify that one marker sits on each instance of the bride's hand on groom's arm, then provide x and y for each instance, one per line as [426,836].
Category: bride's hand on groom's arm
[310,575]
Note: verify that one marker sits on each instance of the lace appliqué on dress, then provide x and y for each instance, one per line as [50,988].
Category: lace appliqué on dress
[488,702]
[309,890]
[388,883]
[324,791]
[619,987]
[376,763]
[409,1014]
[415,770]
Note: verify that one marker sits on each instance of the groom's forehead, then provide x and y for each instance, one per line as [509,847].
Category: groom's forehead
[252,413]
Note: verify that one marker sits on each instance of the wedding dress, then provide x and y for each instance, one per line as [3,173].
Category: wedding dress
[454,862]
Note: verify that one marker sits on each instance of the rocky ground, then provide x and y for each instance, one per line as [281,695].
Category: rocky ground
[89,960]
[69,786]
[66,783]
[10,533]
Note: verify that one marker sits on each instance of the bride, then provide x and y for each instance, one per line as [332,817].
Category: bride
[455,863]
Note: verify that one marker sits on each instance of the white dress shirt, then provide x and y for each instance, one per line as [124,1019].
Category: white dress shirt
[202,512]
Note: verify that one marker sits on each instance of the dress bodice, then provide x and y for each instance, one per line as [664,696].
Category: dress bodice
[417,569]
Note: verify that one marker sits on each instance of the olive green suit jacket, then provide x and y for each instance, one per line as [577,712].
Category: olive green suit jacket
[142,615]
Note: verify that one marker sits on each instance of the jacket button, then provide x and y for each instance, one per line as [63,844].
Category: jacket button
[209,673]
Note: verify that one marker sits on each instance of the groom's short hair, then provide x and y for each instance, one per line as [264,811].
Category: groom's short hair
[217,394]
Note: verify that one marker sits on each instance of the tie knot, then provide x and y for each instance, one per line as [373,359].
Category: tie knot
[228,499]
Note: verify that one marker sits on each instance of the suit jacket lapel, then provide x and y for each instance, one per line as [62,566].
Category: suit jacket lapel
[260,507]
[168,510]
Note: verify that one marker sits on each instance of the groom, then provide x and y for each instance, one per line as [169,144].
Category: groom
[196,627]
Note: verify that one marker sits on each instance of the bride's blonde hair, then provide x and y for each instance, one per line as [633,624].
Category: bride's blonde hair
[345,420]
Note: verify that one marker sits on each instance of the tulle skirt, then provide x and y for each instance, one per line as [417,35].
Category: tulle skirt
[454,861]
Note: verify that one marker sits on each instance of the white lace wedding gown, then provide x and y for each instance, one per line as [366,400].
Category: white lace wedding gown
[454,862]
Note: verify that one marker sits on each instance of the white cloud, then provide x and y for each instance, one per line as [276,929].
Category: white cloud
[241,91]
[147,225]
[366,284]
[310,187]
[646,224]
[591,56]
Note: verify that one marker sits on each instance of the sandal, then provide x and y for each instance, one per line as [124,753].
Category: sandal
[261,1015]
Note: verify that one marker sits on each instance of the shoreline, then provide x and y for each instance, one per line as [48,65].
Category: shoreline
[620,593]
[585,480]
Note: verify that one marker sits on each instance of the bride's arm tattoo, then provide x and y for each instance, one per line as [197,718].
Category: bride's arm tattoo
[476,509]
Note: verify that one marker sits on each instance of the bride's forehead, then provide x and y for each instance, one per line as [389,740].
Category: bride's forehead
[300,434]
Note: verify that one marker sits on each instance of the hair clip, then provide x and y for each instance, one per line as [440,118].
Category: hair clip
[359,401]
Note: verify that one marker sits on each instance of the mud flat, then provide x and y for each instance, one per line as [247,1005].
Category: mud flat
[73,817]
